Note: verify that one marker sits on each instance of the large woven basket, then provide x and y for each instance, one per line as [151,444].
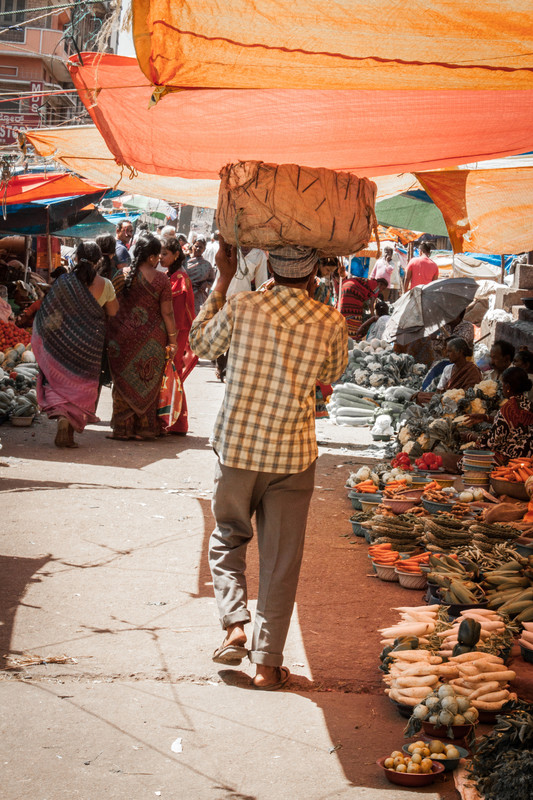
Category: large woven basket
[275,205]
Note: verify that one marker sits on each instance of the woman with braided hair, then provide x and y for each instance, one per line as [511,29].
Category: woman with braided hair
[137,343]
[68,341]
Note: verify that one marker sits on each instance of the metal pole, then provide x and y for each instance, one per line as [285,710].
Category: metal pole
[27,242]
[503,268]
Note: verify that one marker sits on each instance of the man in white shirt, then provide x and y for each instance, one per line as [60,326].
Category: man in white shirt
[252,271]
[212,249]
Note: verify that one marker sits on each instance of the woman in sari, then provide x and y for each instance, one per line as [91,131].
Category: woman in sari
[137,344]
[68,341]
[460,374]
[173,260]
[511,435]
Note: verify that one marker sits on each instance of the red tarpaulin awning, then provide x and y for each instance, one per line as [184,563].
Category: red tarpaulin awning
[193,133]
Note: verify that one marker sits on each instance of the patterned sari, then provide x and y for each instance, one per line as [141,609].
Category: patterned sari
[68,341]
[184,360]
[136,349]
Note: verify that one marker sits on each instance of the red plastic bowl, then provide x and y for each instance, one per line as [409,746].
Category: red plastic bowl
[411,778]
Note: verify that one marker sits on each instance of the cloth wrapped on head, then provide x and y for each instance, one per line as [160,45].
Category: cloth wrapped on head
[293,262]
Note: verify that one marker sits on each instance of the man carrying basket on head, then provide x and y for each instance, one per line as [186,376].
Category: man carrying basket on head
[265,441]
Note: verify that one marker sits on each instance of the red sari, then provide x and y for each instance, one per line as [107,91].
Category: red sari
[184,360]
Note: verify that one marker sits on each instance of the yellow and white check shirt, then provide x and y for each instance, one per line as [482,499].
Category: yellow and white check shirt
[280,343]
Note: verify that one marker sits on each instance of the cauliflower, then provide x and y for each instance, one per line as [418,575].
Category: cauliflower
[360,376]
[477,406]
[373,366]
[413,449]
[377,379]
[454,394]
[404,435]
[488,388]
[423,441]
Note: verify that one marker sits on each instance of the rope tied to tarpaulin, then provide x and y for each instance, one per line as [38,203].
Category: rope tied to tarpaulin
[133,172]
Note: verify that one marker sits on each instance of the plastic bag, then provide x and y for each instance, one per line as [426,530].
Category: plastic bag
[170,395]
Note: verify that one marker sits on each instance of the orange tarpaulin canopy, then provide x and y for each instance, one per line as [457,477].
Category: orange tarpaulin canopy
[29,188]
[485,210]
[194,133]
[83,149]
[348,44]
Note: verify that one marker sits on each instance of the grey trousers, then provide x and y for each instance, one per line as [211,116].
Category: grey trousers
[281,504]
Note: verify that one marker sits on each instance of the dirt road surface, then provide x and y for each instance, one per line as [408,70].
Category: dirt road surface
[104,573]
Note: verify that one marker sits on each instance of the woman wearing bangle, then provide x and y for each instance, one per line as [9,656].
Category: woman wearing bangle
[172,259]
[137,343]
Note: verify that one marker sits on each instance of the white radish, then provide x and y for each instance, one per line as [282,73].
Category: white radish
[419,680]
[508,675]
[493,697]
[491,686]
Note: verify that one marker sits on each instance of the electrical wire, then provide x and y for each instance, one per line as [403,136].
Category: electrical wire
[49,13]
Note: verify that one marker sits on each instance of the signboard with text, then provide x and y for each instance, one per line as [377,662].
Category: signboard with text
[37,100]
[11,124]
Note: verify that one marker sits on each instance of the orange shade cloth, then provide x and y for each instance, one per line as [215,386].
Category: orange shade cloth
[193,133]
[485,211]
[28,188]
[348,44]
[83,149]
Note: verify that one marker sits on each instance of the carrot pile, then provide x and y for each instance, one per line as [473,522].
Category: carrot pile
[383,554]
[394,487]
[518,470]
[366,487]
[413,563]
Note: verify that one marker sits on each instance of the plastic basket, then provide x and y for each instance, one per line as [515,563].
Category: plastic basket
[436,508]
[357,529]
[410,581]
[399,506]
[386,573]
[367,505]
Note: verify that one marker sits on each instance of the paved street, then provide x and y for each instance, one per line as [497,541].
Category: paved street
[104,562]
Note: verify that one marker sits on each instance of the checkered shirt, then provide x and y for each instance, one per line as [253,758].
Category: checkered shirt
[280,343]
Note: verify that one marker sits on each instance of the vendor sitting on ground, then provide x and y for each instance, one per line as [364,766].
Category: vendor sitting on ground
[463,374]
[456,329]
[502,354]
[374,326]
[511,434]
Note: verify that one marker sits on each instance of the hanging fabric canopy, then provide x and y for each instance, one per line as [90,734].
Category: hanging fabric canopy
[83,149]
[31,188]
[194,133]
[413,210]
[48,216]
[93,225]
[486,211]
[349,44]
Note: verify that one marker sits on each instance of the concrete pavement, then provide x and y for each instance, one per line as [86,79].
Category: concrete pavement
[104,563]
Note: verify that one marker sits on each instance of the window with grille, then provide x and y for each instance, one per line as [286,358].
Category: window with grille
[12,14]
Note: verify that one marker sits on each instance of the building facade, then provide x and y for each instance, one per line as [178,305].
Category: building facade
[35,43]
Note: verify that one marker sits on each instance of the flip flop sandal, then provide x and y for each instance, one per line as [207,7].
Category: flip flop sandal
[284,675]
[231,654]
